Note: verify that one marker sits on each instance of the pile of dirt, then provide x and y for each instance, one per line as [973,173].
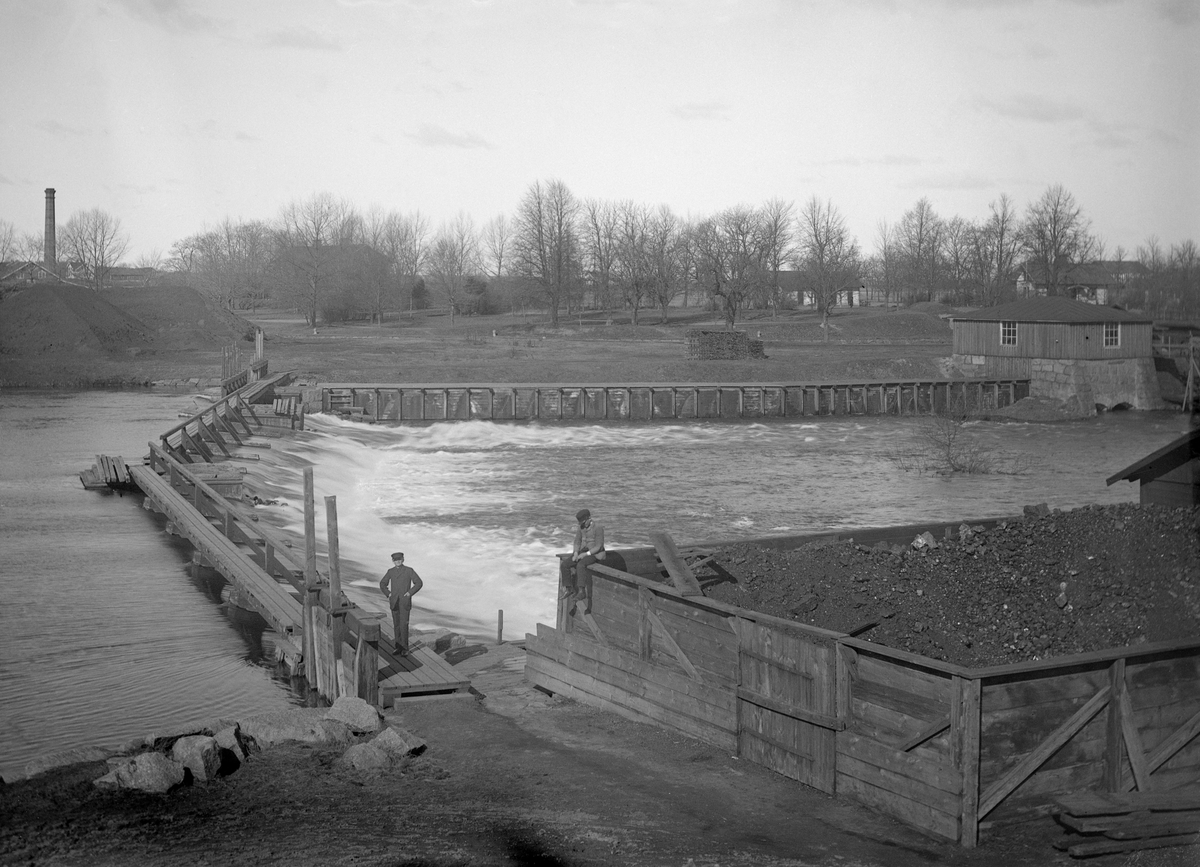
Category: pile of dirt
[1051,584]
[60,317]
[180,316]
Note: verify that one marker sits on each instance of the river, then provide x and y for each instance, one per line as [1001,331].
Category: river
[108,635]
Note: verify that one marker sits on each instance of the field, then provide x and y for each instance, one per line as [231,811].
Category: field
[73,338]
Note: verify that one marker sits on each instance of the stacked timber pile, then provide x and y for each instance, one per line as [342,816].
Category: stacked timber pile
[723,346]
[1103,824]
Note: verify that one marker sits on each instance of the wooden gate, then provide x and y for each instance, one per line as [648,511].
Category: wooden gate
[786,707]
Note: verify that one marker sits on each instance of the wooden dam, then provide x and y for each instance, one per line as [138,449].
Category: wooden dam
[189,478]
[661,401]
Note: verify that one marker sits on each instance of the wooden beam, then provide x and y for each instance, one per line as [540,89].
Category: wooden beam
[206,431]
[1003,787]
[932,730]
[968,694]
[673,647]
[595,627]
[1133,744]
[1177,741]
[1114,748]
[818,719]
[674,563]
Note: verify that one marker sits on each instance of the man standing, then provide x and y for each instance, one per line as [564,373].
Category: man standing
[400,584]
[589,549]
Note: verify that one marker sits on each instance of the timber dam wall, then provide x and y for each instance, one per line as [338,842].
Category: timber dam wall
[643,402]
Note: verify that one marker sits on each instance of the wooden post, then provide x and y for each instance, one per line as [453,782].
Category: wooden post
[310,579]
[645,603]
[366,664]
[335,575]
[964,731]
[500,626]
[1114,752]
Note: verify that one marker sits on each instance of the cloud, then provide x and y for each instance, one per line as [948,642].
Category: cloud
[176,16]
[213,131]
[140,189]
[302,38]
[1032,106]
[1109,136]
[885,160]
[55,127]
[245,136]
[1181,12]
[713,110]
[952,181]
[434,136]
[7,181]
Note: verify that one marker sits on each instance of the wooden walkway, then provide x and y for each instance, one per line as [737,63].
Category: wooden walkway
[661,401]
[201,501]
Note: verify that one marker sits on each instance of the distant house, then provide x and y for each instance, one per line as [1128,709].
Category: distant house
[1067,349]
[1169,476]
[1094,282]
[18,275]
[793,285]
[123,275]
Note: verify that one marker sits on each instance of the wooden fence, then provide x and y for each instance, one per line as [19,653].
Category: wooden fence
[947,749]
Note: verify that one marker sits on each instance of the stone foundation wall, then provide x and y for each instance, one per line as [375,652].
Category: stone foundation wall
[1129,381]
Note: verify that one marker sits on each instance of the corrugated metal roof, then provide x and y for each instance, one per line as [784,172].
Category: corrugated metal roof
[1054,308]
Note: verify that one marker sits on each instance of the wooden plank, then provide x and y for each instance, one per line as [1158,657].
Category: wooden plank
[1133,741]
[917,815]
[1110,847]
[938,774]
[1001,789]
[968,749]
[675,565]
[1171,745]
[1109,803]
[818,719]
[934,728]
[679,655]
[900,785]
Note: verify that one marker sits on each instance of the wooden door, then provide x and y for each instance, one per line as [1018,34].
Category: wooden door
[786,708]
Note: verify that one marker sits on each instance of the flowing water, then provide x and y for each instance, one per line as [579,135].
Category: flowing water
[106,633]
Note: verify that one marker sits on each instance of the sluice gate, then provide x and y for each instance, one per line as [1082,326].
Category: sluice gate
[419,402]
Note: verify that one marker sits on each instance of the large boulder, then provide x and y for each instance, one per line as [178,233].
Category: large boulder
[398,743]
[200,754]
[149,772]
[307,725]
[361,717]
[231,738]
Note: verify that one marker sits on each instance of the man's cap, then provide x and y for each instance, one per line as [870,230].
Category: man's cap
[399,555]
[582,515]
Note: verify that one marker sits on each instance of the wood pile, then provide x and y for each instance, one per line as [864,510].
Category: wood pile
[723,345]
[1104,823]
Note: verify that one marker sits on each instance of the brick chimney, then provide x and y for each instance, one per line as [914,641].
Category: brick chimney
[48,247]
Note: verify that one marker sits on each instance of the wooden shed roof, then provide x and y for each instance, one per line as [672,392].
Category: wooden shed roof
[1174,454]
[1054,308]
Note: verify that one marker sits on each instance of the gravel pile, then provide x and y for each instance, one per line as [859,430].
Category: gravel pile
[1052,584]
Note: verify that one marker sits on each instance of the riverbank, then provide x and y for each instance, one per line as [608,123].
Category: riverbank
[510,777]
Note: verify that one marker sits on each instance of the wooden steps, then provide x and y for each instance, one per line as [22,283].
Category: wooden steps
[1105,823]
[421,673]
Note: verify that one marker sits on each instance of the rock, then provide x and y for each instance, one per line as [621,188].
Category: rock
[307,725]
[923,541]
[67,757]
[367,757]
[231,738]
[1039,511]
[440,640]
[806,603]
[399,743]
[200,754]
[357,714]
[149,772]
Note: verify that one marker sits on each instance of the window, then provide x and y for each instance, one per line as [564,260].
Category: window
[1112,334]
[1008,334]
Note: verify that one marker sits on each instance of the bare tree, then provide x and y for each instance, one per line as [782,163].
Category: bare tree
[957,244]
[31,247]
[406,244]
[546,244]
[600,225]
[994,247]
[779,236]
[1056,236]
[310,231]
[665,252]
[496,245]
[150,259]
[9,241]
[633,260]
[453,258]
[828,255]
[732,253]
[94,239]
[920,241]
[885,264]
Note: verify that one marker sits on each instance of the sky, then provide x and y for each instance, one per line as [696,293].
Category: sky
[175,114]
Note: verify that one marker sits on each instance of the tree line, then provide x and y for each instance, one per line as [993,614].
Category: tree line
[559,253]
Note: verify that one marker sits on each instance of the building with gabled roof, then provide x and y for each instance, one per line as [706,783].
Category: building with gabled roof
[1097,282]
[1099,356]
[1169,476]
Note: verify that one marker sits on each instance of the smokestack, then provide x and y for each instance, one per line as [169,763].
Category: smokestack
[49,251]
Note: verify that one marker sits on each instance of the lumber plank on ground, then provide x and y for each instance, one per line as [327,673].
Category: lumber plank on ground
[1108,803]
